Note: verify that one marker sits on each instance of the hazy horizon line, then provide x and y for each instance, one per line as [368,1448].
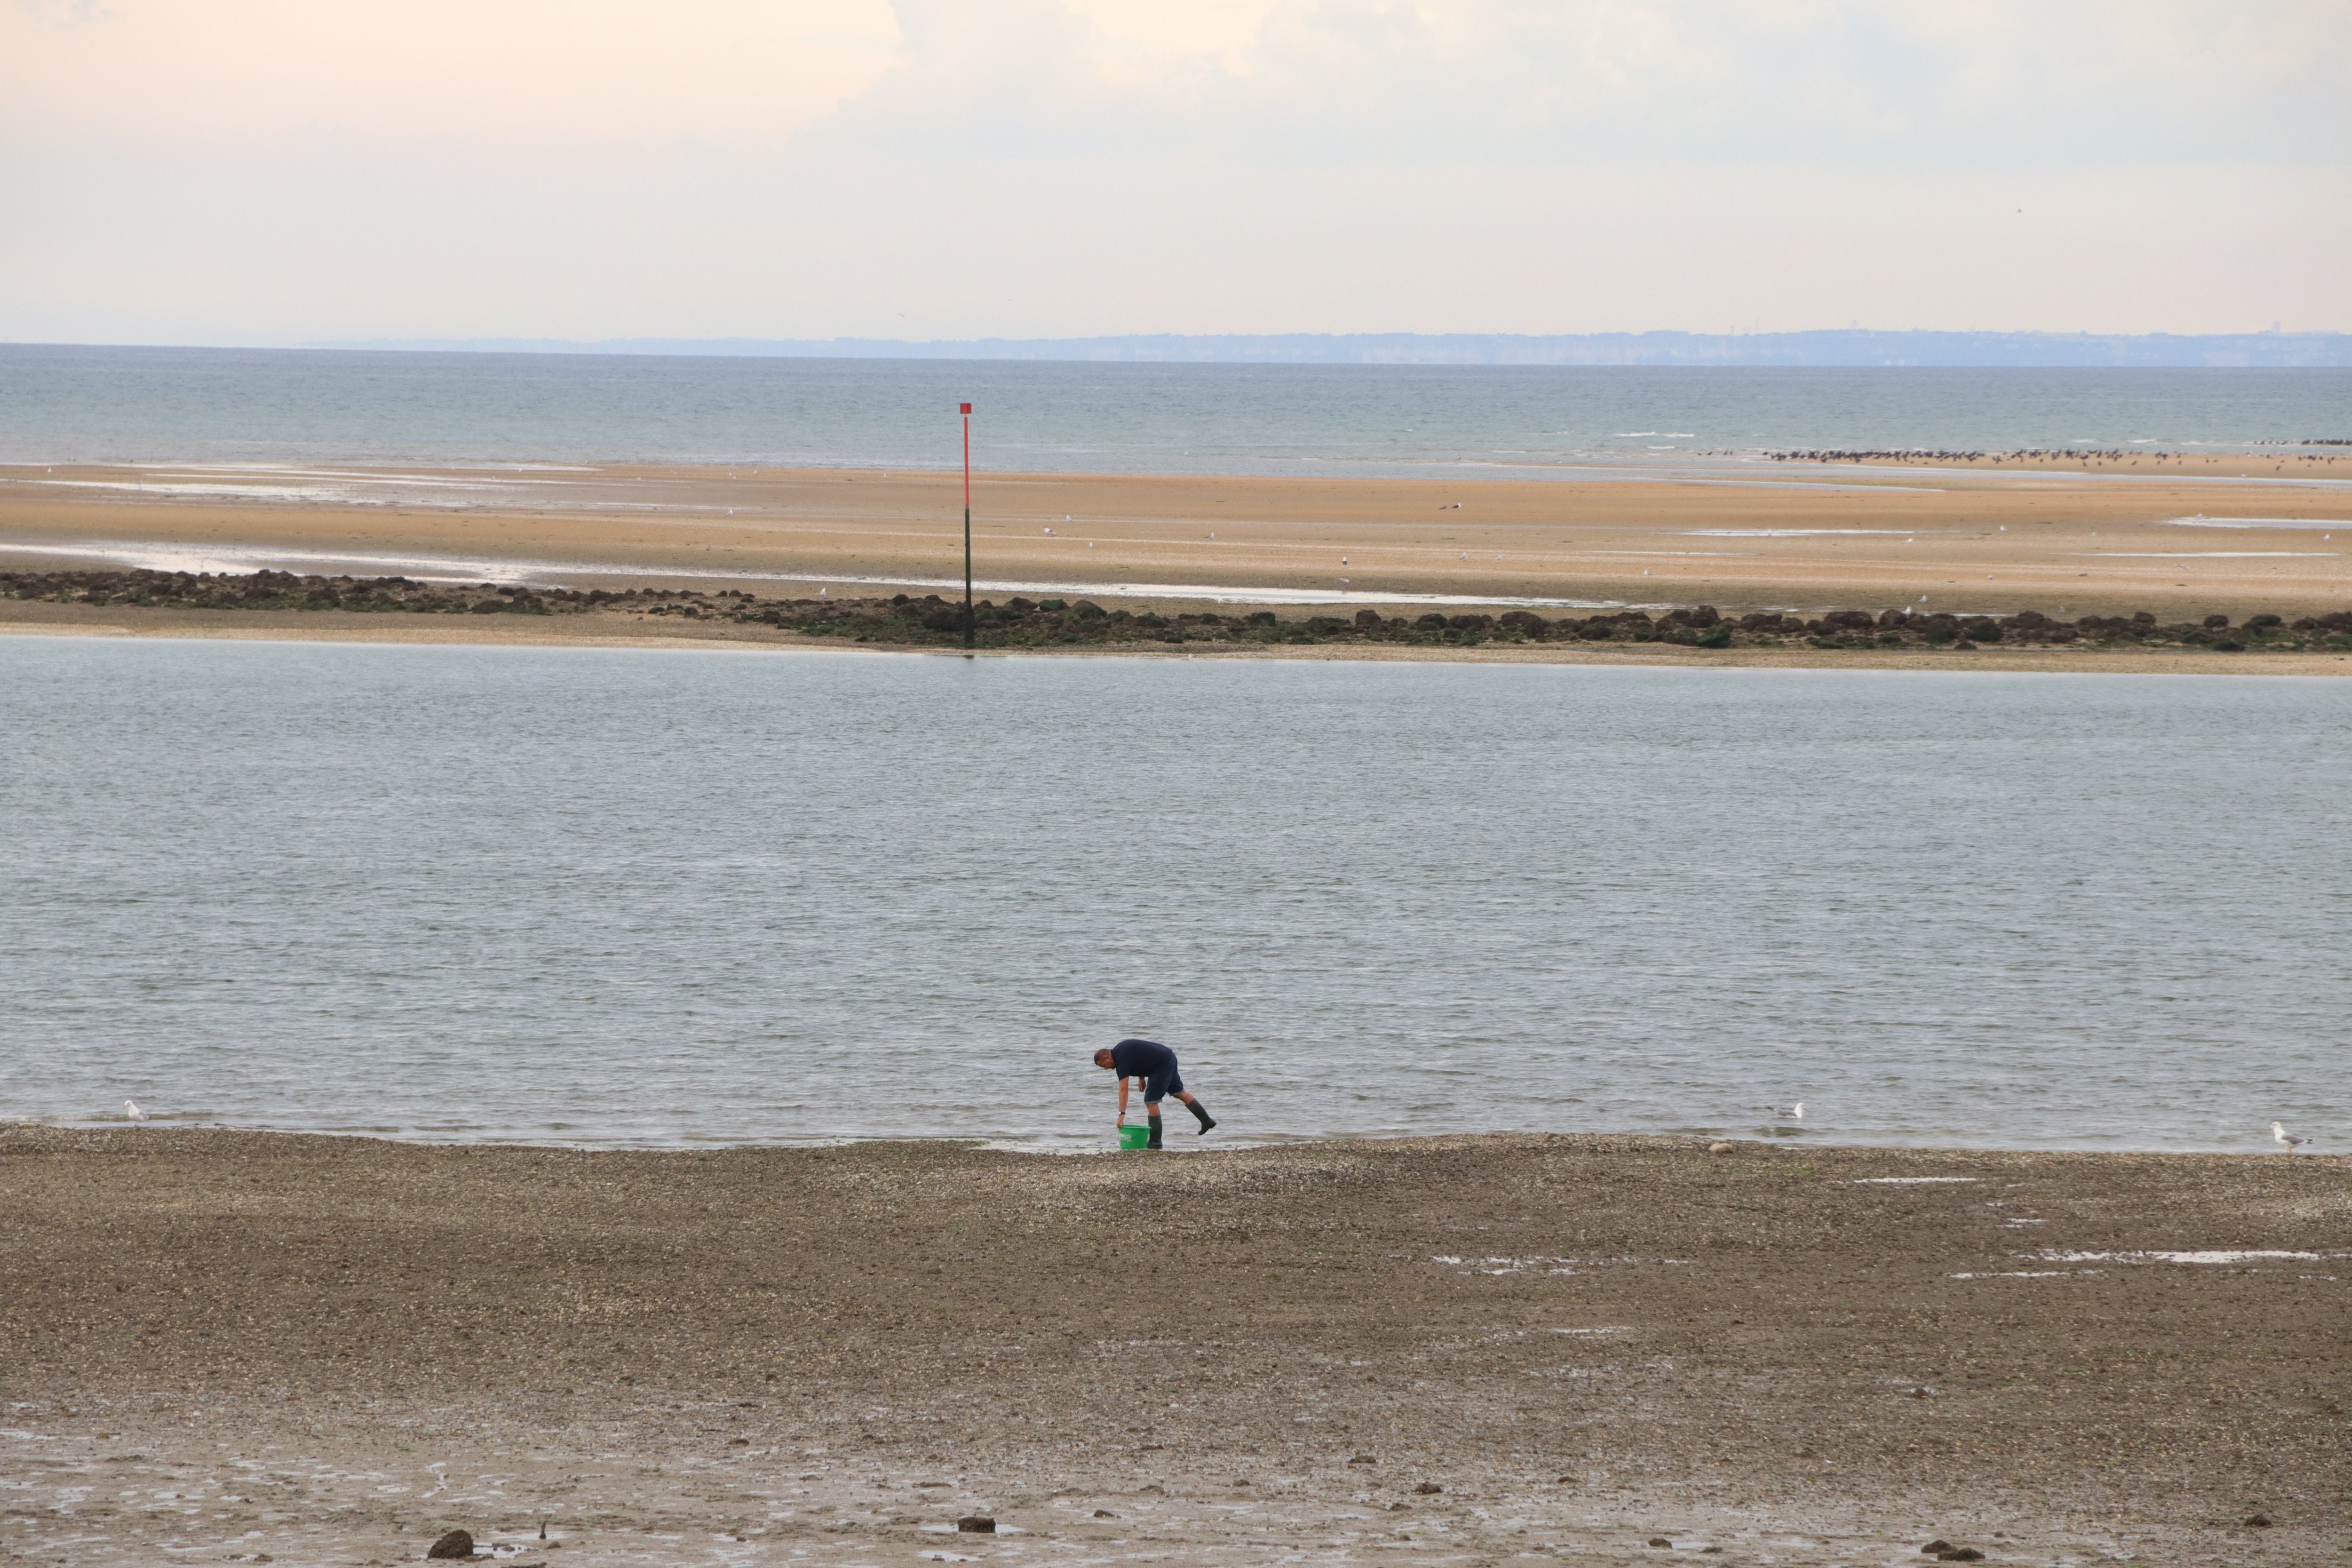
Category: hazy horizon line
[1823,347]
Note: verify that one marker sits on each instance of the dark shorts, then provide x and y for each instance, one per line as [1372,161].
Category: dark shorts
[1161,1085]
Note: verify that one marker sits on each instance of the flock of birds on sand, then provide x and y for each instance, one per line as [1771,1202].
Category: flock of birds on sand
[2285,1139]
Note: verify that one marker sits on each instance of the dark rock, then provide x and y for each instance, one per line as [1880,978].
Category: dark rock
[490,606]
[1960,1555]
[1363,1459]
[1706,616]
[1431,623]
[1105,1513]
[1938,1545]
[1368,619]
[1266,618]
[2259,1522]
[1086,610]
[1660,1540]
[1429,1489]
[2263,623]
[1471,623]
[976,1524]
[456,1543]
[1965,645]
[1849,620]
[2217,621]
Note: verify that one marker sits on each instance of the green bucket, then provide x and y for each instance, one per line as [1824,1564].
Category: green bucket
[1134,1137]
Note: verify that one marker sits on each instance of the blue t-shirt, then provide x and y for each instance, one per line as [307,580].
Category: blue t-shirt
[1141,1058]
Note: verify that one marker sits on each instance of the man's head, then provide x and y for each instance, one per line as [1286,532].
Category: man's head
[1103,1058]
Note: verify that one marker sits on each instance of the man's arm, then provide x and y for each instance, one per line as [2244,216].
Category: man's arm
[1122,1101]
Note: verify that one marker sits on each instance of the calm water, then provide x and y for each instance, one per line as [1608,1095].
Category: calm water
[641,896]
[69,404]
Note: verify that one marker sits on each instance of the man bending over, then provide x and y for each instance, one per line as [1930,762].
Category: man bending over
[1155,1064]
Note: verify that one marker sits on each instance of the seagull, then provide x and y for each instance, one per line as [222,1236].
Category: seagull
[1789,1112]
[1049,530]
[130,1108]
[2292,1141]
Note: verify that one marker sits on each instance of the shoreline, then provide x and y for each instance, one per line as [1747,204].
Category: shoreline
[1746,1139]
[637,630]
[1445,1351]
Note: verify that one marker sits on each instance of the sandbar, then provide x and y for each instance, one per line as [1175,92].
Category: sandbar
[2201,535]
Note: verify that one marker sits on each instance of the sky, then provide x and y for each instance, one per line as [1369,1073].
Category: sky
[276,171]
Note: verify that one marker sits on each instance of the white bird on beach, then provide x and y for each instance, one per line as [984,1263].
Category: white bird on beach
[130,1108]
[1789,1112]
[2292,1141]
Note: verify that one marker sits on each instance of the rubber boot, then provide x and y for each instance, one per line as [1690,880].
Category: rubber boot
[1155,1131]
[1200,1111]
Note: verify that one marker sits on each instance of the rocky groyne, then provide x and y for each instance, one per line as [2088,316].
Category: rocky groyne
[932,621]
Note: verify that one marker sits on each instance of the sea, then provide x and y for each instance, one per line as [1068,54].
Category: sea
[181,406]
[662,898]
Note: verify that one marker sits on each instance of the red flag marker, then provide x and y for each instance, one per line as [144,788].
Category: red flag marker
[965,409]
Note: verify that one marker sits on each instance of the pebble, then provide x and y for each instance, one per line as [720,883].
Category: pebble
[456,1543]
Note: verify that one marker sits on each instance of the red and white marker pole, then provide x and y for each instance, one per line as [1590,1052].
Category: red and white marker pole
[967,525]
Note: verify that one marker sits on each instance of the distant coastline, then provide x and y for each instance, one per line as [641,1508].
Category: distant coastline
[1821,349]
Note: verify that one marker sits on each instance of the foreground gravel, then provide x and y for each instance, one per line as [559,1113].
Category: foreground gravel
[220,1346]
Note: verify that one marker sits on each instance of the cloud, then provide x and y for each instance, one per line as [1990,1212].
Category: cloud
[595,71]
[1876,83]
[276,170]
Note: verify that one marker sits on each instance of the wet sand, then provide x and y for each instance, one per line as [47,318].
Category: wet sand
[231,1346]
[1749,536]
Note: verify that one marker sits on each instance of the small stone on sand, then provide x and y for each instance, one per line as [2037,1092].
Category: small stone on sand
[976,1524]
[456,1543]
